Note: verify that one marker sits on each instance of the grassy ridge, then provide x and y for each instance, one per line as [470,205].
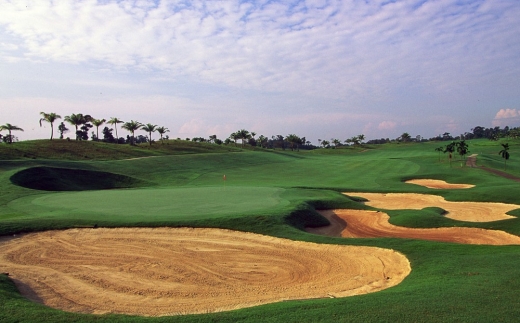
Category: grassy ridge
[90,150]
[449,282]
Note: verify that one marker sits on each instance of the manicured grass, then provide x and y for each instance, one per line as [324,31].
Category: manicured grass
[148,205]
[276,193]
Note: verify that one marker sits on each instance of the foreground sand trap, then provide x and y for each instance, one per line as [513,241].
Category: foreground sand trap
[373,224]
[438,184]
[461,211]
[166,271]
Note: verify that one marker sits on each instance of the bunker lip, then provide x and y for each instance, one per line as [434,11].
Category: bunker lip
[373,224]
[438,184]
[170,271]
[461,211]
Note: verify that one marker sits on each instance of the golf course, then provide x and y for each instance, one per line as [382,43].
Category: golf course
[197,232]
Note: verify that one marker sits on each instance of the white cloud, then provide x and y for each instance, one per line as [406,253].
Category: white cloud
[324,47]
[506,114]
[366,58]
[507,117]
[387,125]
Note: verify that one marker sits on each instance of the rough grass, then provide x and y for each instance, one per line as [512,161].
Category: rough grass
[89,150]
[448,283]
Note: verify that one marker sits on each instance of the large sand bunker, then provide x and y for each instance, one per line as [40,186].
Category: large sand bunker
[462,211]
[373,224]
[166,271]
[438,184]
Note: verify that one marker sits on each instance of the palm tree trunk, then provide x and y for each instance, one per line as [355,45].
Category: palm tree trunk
[52,130]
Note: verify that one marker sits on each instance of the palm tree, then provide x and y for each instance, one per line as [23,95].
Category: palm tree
[293,141]
[405,137]
[439,149]
[149,128]
[77,120]
[325,143]
[263,141]
[9,127]
[450,149]
[462,149]
[50,118]
[162,131]
[244,135]
[132,126]
[115,121]
[504,153]
[234,136]
[97,123]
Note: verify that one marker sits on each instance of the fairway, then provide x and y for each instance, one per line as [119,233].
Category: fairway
[164,203]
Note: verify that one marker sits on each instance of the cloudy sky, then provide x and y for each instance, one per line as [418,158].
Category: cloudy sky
[317,68]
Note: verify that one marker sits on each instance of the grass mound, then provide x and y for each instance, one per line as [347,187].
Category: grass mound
[67,179]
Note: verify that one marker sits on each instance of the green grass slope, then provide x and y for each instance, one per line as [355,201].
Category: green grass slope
[90,150]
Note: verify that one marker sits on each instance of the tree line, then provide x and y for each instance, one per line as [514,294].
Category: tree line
[83,123]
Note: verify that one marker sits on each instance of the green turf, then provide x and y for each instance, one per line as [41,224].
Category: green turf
[275,193]
[144,205]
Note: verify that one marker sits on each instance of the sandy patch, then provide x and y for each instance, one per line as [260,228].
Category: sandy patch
[438,184]
[167,271]
[462,211]
[374,224]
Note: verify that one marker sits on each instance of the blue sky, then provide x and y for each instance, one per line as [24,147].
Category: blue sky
[319,69]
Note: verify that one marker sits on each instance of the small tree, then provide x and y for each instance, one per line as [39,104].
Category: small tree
[294,141]
[505,154]
[107,135]
[439,149]
[114,121]
[97,123]
[62,129]
[78,120]
[150,128]
[9,127]
[325,143]
[50,118]
[450,149]
[462,149]
[132,126]
[162,131]
[405,137]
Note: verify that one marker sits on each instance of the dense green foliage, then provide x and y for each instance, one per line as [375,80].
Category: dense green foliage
[275,193]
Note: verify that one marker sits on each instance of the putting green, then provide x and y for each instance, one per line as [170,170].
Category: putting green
[146,204]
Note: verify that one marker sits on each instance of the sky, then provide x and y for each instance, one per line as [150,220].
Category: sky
[319,69]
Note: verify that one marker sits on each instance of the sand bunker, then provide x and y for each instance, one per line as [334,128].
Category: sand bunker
[167,271]
[374,224]
[462,211]
[438,184]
